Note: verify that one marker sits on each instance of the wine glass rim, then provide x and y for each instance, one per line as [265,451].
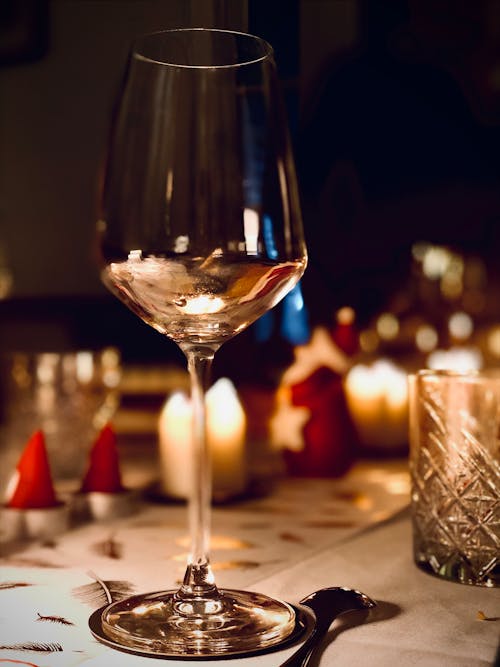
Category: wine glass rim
[268,49]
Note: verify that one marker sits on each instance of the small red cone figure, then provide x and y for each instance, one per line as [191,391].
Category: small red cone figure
[33,487]
[345,334]
[103,474]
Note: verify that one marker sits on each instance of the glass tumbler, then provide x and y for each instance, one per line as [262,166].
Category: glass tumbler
[455,474]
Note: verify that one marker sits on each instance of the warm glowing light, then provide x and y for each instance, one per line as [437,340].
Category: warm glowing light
[139,610]
[345,315]
[226,433]
[251,230]
[377,397]
[398,484]
[46,368]
[210,607]
[202,305]
[396,390]
[181,244]
[493,341]
[363,502]
[142,609]
[435,262]
[225,413]
[426,338]
[135,255]
[111,372]
[12,485]
[176,407]
[362,382]
[84,367]
[217,542]
[387,326]
[460,326]
[456,359]
[175,425]
[392,379]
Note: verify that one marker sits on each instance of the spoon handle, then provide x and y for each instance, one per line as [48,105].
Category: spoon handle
[301,657]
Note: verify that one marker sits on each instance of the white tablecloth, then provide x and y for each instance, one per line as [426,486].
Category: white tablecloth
[308,534]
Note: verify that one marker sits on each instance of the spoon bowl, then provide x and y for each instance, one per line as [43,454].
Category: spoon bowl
[326,604]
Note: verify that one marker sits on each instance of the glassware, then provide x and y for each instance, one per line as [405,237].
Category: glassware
[455,471]
[200,235]
[69,395]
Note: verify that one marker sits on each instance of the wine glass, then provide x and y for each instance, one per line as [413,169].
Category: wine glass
[200,234]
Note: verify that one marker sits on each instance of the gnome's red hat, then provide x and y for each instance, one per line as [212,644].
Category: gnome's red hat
[33,487]
[103,473]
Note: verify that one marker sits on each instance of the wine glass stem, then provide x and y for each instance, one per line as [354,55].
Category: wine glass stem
[199,579]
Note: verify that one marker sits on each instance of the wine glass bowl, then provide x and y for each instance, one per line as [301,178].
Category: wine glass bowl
[200,234]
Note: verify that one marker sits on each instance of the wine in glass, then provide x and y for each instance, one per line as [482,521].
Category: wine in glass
[200,234]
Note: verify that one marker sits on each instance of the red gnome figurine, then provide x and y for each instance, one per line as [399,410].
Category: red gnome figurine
[104,495]
[324,445]
[328,434]
[103,473]
[33,509]
[34,486]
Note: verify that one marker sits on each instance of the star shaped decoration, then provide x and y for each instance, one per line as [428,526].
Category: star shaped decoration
[287,422]
[321,350]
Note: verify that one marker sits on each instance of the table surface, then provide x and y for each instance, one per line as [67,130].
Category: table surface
[302,535]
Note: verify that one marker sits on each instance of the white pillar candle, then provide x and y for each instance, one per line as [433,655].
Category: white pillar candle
[174,427]
[226,428]
[226,433]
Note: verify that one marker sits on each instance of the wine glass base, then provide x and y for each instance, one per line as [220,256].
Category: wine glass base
[245,623]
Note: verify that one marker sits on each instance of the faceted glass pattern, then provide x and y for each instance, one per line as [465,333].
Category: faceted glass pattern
[455,471]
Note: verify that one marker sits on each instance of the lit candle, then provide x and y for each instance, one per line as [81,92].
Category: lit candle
[460,359]
[377,398]
[174,427]
[226,435]
[226,427]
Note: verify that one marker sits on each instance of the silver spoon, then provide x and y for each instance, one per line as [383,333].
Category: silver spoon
[327,604]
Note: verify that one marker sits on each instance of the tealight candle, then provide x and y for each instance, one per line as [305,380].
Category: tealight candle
[377,398]
[226,431]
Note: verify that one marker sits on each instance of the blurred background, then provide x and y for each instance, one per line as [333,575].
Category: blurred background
[394,111]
